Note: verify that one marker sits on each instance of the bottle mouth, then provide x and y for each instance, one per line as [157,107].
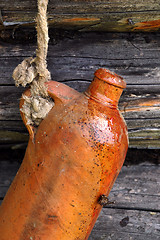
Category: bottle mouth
[110,77]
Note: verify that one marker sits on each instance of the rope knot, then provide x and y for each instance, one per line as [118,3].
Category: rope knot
[33,71]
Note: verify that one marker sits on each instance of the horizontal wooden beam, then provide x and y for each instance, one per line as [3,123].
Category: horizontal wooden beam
[90,15]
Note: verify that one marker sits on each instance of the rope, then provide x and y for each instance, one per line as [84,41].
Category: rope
[33,71]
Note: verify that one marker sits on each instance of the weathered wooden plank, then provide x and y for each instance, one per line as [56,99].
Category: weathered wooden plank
[105,45]
[132,185]
[7,172]
[125,224]
[114,15]
[137,187]
[135,57]
[114,21]
[144,144]
[118,224]
[10,96]
[102,5]
[142,135]
[135,215]
[13,126]
[141,107]
[13,137]
[143,138]
[148,96]
[71,68]
[145,123]
[9,103]
[141,124]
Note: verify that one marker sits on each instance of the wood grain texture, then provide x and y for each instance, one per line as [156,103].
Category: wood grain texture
[115,15]
[63,5]
[136,212]
[134,56]
[122,224]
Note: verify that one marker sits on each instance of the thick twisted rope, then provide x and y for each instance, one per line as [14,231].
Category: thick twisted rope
[34,72]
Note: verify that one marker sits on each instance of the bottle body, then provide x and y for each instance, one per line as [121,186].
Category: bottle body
[76,155]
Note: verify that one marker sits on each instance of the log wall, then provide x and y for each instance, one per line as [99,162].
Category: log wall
[81,41]
[73,59]
[85,35]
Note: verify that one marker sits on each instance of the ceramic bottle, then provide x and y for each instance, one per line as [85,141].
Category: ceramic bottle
[72,159]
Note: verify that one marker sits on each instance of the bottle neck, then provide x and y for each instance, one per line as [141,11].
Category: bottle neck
[104,91]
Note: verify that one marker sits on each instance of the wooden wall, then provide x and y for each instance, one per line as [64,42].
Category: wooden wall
[84,36]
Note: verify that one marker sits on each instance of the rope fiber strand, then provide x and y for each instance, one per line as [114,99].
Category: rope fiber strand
[34,71]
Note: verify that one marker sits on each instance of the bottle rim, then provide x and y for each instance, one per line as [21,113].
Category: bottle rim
[110,77]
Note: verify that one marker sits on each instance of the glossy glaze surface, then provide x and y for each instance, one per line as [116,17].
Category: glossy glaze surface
[71,160]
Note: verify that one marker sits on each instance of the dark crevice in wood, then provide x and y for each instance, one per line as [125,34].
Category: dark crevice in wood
[7,85]
[13,57]
[135,119]
[10,120]
[21,34]
[145,84]
[26,35]
[78,13]
[86,81]
[12,155]
[135,209]
[76,80]
[137,156]
[95,58]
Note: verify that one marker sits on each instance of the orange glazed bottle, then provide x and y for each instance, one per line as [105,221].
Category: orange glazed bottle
[72,159]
